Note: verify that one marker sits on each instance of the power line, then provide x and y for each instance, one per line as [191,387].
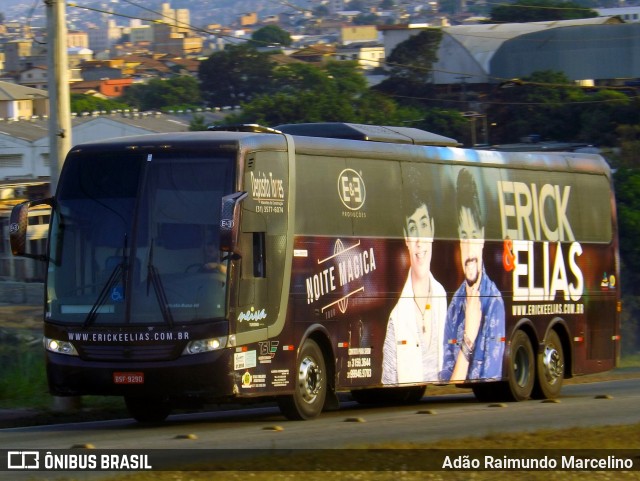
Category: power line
[540,7]
[526,37]
[502,80]
[291,5]
[491,102]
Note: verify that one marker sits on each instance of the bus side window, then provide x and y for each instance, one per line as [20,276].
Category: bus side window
[259,255]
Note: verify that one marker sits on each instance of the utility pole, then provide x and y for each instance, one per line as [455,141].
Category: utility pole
[58,86]
[59,120]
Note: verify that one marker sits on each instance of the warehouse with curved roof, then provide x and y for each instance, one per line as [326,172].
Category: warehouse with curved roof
[589,51]
[598,53]
[601,48]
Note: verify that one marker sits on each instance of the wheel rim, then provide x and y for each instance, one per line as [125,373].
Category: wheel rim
[553,365]
[521,367]
[309,379]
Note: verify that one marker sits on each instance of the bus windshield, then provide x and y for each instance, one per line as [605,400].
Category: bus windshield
[134,239]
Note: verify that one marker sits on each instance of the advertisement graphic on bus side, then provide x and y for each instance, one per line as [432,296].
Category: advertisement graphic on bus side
[426,268]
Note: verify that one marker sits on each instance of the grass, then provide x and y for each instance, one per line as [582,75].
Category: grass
[23,382]
[630,360]
[560,441]
[22,379]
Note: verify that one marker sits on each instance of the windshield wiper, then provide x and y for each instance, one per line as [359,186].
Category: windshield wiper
[154,278]
[120,270]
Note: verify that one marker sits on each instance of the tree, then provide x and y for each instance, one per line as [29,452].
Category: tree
[378,109]
[629,136]
[412,59]
[409,66]
[627,188]
[335,93]
[270,35]
[449,123]
[298,77]
[549,104]
[304,106]
[600,113]
[198,123]
[237,74]
[338,92]
[347,77]
[538,104]
[523,11]
[305,93]
[176,92]
[88,103]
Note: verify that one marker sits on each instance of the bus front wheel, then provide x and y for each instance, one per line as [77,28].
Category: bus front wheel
[550,368]
[310,392]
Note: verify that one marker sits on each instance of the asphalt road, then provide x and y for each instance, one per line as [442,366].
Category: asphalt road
[439,417]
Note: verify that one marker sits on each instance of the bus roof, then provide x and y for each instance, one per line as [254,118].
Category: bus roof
[347,140]
[373,133]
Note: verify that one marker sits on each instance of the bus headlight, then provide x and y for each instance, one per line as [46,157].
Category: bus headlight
[205,345]
[60,347]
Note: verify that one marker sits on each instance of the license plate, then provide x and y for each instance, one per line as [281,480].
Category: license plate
[128,377]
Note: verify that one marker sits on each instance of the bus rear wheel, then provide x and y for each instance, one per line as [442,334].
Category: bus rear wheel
[521,374]
[310,392]
[549,368]
[147,410]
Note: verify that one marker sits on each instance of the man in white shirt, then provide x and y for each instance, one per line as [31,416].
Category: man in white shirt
[412,351]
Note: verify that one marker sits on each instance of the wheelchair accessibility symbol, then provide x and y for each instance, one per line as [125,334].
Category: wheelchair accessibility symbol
[117,295]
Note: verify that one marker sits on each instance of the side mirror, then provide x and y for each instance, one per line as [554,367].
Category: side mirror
[18,225]
[230,222]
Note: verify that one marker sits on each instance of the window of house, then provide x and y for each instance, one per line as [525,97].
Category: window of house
[10,160]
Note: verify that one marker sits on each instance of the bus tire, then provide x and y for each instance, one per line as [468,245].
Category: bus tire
[310,392]
[521,367]
[549,368]
[147,410]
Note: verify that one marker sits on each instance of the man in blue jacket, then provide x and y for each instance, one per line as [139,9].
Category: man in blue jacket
[475,327]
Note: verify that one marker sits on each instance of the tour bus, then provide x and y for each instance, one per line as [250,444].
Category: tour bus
[303,261]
